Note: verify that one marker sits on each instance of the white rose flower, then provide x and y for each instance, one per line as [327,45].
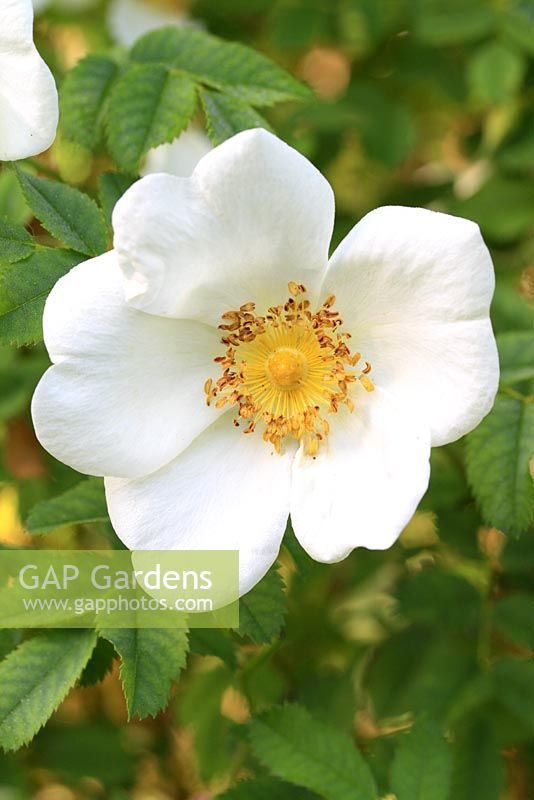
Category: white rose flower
[179,157]
[128,20]
[28,95]
[227,374]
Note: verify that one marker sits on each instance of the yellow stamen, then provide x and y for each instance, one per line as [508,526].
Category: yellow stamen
[286,370]
[367,383]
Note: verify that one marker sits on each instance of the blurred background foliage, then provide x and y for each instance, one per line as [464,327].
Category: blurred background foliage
[419,102]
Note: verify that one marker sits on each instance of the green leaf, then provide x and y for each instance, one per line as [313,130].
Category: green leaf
[498,454]
[428,683]
[224,65]
[301,750]
[495,72]
[68,214]
[9,639]
[24,287]
[514,681]
[82,98]
[112,186]
[151,660]
[421,769]
[263,609]
[514,618]
[35,679]
[516,354]
[265,685]
[304,564]
[100,663]
[213,642]
[15,242]
[150,105]
[473,696]
[478,769]
[266,789]
[85,502]
[227,115]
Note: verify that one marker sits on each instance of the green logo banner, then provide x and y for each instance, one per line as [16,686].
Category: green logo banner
[119,589]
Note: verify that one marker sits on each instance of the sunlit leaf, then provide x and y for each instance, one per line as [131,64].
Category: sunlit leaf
[35,679]
[85,502]
[227,115]
[233,67]
[262,610]
[24,287]
[82,98]
[15,242]
[151,659]
[68,214]
[150,105]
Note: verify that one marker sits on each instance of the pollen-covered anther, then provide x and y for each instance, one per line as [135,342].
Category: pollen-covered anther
[286,370]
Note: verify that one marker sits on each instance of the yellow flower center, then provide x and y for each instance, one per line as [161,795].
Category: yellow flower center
[286,370]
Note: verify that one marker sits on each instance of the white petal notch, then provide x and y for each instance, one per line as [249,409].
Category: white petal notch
[28,95]
[223,374]
[179,157]
[254,215]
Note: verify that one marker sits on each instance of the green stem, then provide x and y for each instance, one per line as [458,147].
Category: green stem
[525,398]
